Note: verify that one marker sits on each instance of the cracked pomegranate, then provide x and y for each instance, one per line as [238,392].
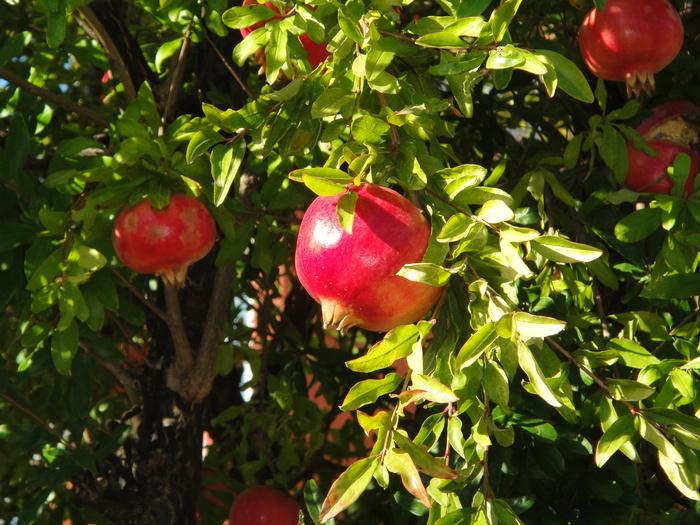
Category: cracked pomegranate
[264,506]
[673,128]
[353,276]
[164,242]
[630,40]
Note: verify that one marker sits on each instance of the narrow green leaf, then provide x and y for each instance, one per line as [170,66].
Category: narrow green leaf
[653,435]
[632,354]
[346,210]
[331,102]
[226,161]
[529,325]
[396,344]
[562,250]
[241,17]
[201,142]
[527,362]
[619,433]
[348,487]
[369,390]
[569,77]
[435,391]
[64,346]
[629,390]
[680,477]
[369,129]
[426,273]
[476,345]
[400,463]
[456,228]
[677,286]
[421,457]
[495,211]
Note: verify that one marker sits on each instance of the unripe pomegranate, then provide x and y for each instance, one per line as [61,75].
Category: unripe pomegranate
[316,53]
[673,128]
[353,276]
[164,242]
[630,40]
[264,506]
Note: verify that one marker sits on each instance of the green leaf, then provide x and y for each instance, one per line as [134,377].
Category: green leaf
[201,142]
[678,474]
[632,354]
[502,17]
[64,346]
[505,57]
[148,107]
[369,390]
[426,273]
[349,25]
[456,228]
[562,250]
[396,344]
[476,345]
[434,390]
[348,487]
[346,210]
[368,129]
[16,146]
[619,433]
[505,514]
[495,211]
[529,325]
[398,463]
[331,102]
[638,225]
[241,17]
[568,77]
[421,457]
[629,390]
[677,286]
[58,20]
[653,435]
[532,369]
[226,161]
[442,40]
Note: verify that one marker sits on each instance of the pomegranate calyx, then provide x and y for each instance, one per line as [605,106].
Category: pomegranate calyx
[173,276]
[639,81]
[338,316]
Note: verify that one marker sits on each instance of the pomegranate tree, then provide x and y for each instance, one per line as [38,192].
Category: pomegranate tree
[353,275]
[264,506]
[630,40]
[316,53]
[673,128]
[164,242]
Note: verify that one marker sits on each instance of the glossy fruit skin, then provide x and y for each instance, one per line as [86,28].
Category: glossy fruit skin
[630,40]
[671,129]
[264,506]
[353,276]
[316,53]
[164,242]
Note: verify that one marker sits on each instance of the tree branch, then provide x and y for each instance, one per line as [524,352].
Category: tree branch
[53,98]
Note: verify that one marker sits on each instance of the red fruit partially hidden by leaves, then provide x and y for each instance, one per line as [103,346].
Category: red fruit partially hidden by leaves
[630,40]
[164,242]
[316,53]
[264,506]
[353,276]
[673,128]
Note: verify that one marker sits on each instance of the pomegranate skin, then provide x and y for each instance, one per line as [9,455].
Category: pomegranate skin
[671,129]
[164,242]
[353,276]
[316,53]
[264,506]
[631,40]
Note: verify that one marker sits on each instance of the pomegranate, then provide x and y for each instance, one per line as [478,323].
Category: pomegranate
[630,40]
[353,276]
[316,53]
[164,242]
[673,128]
[264,506]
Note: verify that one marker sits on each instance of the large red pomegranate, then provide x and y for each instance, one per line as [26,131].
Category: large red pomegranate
[353,276]
[164,242]
[264,506]
[316,53]
[673,128]
[630,40]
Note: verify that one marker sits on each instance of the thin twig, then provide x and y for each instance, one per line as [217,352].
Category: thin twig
[152,307]
[175,81]
[53,98]
[48,426]
[230,68]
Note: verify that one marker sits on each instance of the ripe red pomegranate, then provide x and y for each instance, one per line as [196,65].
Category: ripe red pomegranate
[164,242]
[673,128]
[630,40]
[353,276]
[264,506]
[316,53]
